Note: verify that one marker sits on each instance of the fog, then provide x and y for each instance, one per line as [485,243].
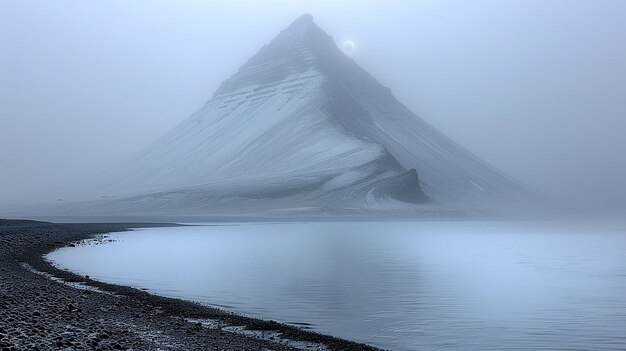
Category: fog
[534,88]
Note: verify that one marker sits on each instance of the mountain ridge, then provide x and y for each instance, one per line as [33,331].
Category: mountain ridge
[299,125]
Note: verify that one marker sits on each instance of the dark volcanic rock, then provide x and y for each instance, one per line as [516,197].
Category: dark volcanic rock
[405,187]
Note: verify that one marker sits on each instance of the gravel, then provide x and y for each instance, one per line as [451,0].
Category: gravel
[44,308]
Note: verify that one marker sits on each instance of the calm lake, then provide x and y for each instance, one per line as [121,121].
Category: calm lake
[453,285]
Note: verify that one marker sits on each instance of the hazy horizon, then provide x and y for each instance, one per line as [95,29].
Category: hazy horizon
[533,88]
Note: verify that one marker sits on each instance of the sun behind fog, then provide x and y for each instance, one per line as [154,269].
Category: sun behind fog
[348,46]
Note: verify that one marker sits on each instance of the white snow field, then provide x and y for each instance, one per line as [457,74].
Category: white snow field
[299,128]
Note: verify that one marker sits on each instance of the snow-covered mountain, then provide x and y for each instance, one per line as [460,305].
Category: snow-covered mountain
[300,127]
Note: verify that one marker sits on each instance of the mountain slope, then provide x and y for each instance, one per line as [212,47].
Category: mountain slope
[299,126]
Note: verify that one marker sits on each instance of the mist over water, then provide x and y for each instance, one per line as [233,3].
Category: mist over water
[454,285]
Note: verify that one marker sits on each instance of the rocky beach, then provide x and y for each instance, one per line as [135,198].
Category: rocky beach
[45,308]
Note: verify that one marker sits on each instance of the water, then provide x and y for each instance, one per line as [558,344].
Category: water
[400,285]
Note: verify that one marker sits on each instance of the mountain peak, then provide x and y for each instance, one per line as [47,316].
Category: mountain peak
[304,20]
[301,29]
[297,49]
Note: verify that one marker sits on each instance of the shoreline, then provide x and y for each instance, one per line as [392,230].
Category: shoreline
[47,308]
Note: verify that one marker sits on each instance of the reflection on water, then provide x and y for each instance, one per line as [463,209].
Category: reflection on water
[400,285]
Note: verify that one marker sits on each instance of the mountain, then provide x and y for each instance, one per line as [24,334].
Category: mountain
[299,128]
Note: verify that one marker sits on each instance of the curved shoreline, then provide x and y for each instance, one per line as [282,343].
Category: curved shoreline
[42,313]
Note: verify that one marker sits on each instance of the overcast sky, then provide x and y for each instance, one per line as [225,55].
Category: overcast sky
[536,88]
